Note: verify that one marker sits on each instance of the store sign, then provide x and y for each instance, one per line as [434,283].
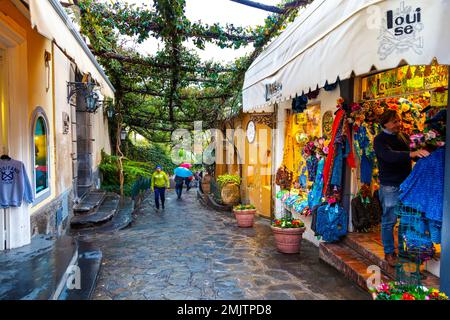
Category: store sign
[404,80]
[273,90]
[401,31]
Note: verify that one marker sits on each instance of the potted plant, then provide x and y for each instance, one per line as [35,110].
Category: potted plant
[288,234]
[229,186]
[245,215]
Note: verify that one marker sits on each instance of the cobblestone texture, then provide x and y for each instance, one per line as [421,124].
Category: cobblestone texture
[190,252]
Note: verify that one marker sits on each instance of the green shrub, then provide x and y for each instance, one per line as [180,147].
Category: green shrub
[132,170]
[228,178]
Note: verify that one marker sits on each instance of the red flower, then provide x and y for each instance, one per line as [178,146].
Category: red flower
[408,296]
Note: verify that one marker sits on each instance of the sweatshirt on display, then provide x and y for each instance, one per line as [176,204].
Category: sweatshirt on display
[15,186]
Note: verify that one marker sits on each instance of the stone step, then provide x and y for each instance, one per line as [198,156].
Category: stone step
[89,202]
[353,265]
[369,246]
[121,220]
[89,264]
[37,271]
[101,215]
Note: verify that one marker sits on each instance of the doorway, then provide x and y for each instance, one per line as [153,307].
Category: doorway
[84,175]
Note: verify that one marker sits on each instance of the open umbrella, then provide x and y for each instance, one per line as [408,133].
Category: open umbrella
[183,172]
[186,165]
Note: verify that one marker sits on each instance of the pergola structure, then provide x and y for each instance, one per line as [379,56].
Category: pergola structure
[172,89]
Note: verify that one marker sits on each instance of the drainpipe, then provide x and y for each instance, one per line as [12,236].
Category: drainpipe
[445,245]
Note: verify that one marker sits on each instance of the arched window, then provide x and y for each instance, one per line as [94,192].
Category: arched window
[40,156]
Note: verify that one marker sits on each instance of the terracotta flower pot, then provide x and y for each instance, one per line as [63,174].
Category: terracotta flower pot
[245,218]
[288,240]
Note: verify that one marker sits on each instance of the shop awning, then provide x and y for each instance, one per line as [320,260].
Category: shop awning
[50,19]
[333,38]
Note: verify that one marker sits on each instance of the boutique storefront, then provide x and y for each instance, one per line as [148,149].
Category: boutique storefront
[387,55]
[41,132]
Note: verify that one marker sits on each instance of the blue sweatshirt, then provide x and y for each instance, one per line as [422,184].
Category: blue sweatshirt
[14,184]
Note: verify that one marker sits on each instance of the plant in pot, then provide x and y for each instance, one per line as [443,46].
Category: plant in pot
[229,186]
[288,234]
[245,215]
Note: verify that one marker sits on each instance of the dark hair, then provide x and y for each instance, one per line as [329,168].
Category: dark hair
[387,116]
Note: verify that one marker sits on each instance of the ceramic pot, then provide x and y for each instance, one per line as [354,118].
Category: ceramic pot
[245,218]
[288,240]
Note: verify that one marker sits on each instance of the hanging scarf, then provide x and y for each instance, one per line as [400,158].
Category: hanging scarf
[331,149]
[339,121]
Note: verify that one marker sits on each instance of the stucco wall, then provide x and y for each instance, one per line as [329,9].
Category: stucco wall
[63,140]
[100,134]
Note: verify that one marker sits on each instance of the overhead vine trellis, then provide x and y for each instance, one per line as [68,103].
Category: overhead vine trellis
[169,90]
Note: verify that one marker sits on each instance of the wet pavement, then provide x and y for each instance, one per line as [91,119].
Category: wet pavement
[190,252]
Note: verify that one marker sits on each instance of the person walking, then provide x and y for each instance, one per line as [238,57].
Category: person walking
[181,174]
[394,162]
[160,181]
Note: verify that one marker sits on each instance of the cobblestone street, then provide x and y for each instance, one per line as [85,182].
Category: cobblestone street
[191,252]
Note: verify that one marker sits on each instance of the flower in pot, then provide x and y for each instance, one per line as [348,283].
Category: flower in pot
[245,215]
[288,234]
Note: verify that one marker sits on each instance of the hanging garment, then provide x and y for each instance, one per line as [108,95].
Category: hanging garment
[339,125]
[302,180]
[423,190]
[362,212]
[315,195]
[15,186]
[331,223]
[314,217]
[364,149]
[311,164]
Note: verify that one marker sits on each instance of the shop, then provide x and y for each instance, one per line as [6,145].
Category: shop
[41,53]
[388,62]
[248,154]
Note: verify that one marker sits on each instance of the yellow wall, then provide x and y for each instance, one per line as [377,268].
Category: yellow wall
[47,88]
[39,78]
[256,168]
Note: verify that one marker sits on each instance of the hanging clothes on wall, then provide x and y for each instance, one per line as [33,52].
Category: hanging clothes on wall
[423,190]
[315,195]
[340,138]
[364,149]
[15,186]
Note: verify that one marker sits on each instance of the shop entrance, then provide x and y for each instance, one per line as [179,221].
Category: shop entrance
[258,168]
[419,96]
[14,124]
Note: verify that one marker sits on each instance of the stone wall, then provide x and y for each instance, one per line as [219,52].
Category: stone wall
[55,217]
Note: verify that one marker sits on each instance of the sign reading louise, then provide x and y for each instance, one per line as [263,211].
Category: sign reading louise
[273,90]
[401,31]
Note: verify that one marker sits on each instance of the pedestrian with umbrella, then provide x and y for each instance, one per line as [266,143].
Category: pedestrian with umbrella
[187,180]
[181,174]
[160,181]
